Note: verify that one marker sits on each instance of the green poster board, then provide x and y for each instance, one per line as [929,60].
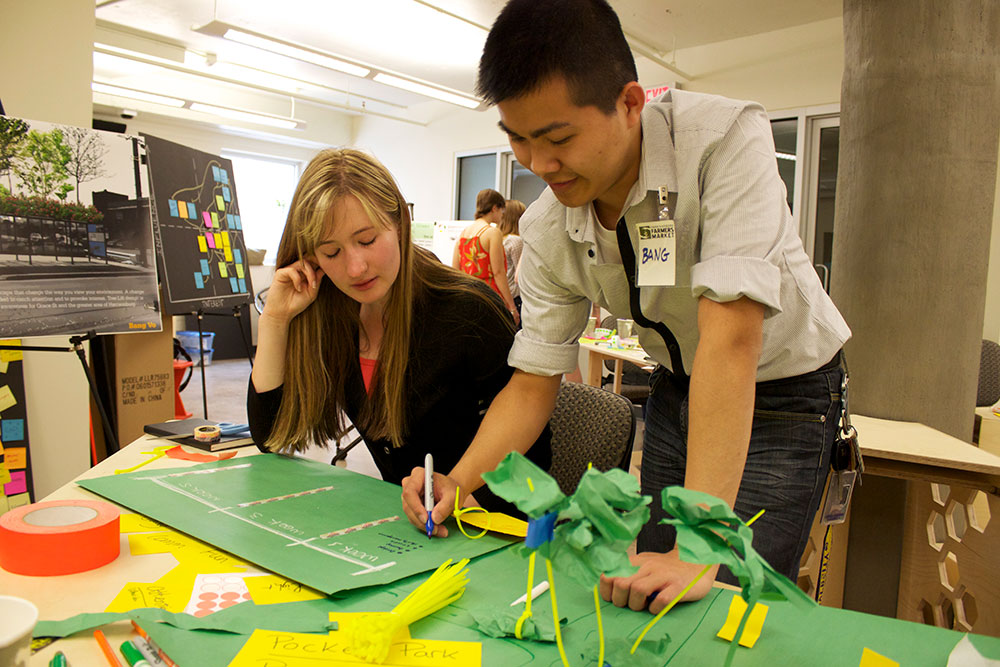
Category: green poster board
[326,527]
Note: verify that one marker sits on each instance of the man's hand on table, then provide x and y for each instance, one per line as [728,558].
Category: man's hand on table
[662,574]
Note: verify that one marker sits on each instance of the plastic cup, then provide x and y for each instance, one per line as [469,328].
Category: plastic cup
[591,325]
[624,328]
[17,621]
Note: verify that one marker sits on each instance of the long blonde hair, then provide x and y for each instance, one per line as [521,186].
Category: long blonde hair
[323,339]
[512,213]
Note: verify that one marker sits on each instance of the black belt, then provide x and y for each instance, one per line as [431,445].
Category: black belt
[628,262]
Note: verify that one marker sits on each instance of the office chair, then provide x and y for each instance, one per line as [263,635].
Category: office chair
[989,375]
[589,425]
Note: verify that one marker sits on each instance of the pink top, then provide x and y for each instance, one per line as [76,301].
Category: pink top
[367,371]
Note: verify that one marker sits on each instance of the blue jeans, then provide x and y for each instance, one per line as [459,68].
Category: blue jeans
[795,423]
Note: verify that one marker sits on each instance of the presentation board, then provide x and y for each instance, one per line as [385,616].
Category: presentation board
[197,229]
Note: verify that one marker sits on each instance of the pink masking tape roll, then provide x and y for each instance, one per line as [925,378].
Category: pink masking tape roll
[58,537]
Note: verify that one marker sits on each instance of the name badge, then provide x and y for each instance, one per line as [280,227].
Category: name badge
[656,257]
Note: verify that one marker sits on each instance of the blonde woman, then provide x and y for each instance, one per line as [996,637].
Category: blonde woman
[360,322]
[512,245]
[479,250]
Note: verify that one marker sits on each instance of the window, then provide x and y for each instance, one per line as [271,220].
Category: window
[264,186]
[474,173]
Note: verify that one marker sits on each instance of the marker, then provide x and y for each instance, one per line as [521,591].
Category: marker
[147,651]
[109,652]
[535,592]
[429,491]
[59,660]
[149,640]
[133,656]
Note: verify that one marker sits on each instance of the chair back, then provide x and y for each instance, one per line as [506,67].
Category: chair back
[989,375]
[589,425]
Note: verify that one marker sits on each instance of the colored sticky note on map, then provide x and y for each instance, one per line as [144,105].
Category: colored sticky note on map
[192,212]
[210,240]
[222,270]
[18,483]
[497,522]
[15,458]
[218,239]
[11,355]
[239,271]
[7,399]
[182,210]
[202,245]
[870,658]
[204,267]
[206,218]
[228,253]
[4,476]
[215,173]
[172,203]
[199,282]
[171,592]
[215,219]
[229,221]
[238,255]
[225,194]
[272,589]
[234,285]
[12,430]
[242,285]
[220,202]
[239,224]
[225,239]
[754,624]
[137,523]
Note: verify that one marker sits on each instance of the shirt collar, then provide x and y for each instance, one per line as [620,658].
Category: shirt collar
[656,168]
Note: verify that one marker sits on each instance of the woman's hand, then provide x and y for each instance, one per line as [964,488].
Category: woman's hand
[659,579]
[445,489]
[293,289]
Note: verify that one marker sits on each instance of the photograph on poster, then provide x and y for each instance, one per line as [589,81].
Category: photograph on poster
[76,241]
[198,229]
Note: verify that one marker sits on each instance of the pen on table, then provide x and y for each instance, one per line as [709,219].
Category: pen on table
[535,592]
[109,652]
[148,652]
[156,649]
[429,491]
[133,655]
[59,660]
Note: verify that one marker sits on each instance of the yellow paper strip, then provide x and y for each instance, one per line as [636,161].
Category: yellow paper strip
[218,239]
[202,245]
[186,550]
[137,523]
[870,658]
[499,523]
[220,202]
[171,592]
[7,399]
[295,649]
[222,270]
[272,589]
[239,271]
[229,254]
[11,355]
[225,239]
[753,627]
[3,365]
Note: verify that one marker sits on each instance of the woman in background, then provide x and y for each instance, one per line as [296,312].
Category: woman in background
[362,323]
[512,246]
[479,251]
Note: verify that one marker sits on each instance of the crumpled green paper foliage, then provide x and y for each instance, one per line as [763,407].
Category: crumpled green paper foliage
[595,525]
[617,652]
[708,531]
[503,622]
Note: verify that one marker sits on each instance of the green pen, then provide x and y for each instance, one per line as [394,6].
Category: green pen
[59,660]
[132,654]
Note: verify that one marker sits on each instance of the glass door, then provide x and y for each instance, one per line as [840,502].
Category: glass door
[822,159]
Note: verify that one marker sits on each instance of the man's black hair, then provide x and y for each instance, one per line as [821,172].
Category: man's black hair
[533,40]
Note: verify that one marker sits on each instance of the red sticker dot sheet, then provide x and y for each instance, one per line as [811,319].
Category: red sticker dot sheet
[213,592]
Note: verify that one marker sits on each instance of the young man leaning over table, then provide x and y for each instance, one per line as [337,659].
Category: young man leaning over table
[745,402]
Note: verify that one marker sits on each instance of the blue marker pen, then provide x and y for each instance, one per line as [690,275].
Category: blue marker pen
[429,491]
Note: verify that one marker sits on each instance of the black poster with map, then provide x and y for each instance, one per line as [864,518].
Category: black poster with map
[197,229]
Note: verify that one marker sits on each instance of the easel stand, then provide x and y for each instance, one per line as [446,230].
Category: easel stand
[201,348]
[77,346]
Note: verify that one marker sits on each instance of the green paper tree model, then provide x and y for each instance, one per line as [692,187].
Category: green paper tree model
[585,535]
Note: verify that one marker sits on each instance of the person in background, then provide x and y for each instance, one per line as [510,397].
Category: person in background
[360,322]
[479,251]
[512,246]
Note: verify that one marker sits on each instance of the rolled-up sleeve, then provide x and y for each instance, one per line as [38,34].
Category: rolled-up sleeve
[552,320]
[743,212]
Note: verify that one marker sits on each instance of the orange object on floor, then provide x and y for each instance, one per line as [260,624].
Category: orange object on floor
[180,412]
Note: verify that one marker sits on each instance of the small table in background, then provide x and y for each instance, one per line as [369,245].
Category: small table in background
[599,351]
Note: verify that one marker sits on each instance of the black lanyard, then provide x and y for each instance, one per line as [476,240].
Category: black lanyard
[628,262]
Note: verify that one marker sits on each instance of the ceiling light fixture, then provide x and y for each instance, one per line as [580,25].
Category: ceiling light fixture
[248,116]
[140,95]
[426,90]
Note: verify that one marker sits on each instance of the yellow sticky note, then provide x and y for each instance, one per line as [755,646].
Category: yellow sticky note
[223,271]
[18,500]
[753,627]
[4,506]
[220,202]
[7,399]
[498,523]
[870,658]
[272,589]
[4,476]
[186,550]
[3,365]
[239,271]
[15,458]
[218,239]
[11,355]
[296,649]
[225,239]
[171,592]
[229,254]
[202,245]
[137,523]
[215,219]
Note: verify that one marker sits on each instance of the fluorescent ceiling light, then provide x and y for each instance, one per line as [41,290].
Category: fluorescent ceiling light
[298,53]
[784,156]
[261,119]
[136,94]
[428,91]
[256,76]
